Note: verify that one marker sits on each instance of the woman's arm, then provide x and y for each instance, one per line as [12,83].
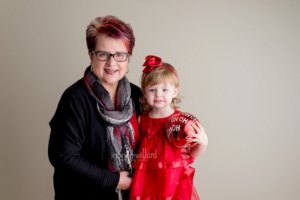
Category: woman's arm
[68,134]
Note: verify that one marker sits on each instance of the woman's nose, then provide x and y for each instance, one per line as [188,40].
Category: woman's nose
[111,61]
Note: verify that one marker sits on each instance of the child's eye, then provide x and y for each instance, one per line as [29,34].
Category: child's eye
[151,90]
[165,90]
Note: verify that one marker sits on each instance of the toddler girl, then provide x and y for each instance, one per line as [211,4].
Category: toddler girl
[162,171]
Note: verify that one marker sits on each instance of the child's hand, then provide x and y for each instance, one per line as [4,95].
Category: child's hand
[200,138]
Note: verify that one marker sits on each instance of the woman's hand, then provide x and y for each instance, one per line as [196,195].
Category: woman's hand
[124,181]
[200,138]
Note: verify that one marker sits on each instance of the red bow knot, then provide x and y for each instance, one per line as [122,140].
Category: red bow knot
[151,63]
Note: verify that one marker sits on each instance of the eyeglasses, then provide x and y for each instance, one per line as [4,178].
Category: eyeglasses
[105,56]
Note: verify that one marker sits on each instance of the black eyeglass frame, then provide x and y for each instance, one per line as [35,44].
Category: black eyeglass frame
[110,55]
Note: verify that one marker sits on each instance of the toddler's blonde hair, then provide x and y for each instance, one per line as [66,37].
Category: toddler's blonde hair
[156,76]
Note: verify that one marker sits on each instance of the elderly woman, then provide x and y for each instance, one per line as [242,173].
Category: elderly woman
[94,130]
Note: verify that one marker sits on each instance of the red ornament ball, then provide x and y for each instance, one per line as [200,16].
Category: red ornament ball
[178,127]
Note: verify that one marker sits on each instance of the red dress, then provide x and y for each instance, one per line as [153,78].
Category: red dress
[162,171]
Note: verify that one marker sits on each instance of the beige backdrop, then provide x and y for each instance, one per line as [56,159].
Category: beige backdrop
[238,63]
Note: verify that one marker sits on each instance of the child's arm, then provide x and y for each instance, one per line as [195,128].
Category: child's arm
[200,138]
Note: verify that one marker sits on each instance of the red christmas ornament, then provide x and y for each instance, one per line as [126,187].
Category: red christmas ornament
[178,127]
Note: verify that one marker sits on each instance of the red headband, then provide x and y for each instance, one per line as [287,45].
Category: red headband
[154,62]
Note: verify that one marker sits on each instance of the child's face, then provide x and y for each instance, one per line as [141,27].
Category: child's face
[160,95]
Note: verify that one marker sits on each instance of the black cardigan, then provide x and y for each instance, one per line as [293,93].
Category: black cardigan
[77,147]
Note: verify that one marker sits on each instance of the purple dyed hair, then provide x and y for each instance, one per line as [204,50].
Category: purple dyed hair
[112,27]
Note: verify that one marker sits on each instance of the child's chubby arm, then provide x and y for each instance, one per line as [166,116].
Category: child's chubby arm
[200,138]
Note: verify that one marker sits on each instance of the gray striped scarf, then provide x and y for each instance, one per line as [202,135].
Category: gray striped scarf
[119,132]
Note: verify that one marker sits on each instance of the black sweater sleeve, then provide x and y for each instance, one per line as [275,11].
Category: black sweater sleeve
[72,129]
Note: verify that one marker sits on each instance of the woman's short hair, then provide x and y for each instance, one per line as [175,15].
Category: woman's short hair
[112,27]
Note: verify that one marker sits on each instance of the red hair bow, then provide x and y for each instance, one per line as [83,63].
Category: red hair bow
[151,63]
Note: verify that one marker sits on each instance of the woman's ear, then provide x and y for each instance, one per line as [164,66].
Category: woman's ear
[129,58]
[90,54]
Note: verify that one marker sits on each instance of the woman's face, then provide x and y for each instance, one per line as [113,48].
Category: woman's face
[109,72]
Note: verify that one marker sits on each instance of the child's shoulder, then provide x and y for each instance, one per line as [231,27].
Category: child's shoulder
[177,112]
[143,116]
